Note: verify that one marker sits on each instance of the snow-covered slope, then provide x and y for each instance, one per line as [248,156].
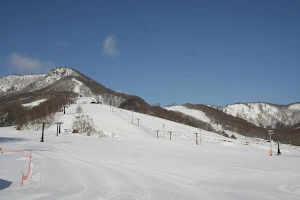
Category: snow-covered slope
[106,119]
[15,83]
[35,103]
[194,113]
[264,114]
[134,164]
[198,114]
[50,78]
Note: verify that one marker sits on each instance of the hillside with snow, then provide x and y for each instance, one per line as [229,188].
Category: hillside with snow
[58,80]
[15,83]
[259,114]
[52,77]
[61,85]
[264,114]
[33,104]
[195,113]
[126,160]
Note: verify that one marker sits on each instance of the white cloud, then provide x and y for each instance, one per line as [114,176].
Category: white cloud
[110,46]
[26,64]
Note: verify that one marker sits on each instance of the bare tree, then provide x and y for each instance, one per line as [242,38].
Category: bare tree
[84,124]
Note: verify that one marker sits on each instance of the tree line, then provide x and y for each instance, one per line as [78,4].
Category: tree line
[14,114]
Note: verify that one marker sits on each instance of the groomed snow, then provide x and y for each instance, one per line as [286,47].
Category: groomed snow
[35,103]
[136,165]
[194,113]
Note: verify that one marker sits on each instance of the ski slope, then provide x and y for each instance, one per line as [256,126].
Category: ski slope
[35,103]
[133,164]
[194,113]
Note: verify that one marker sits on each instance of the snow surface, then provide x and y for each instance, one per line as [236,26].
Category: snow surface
[134,164]
[35,103]
[194,113]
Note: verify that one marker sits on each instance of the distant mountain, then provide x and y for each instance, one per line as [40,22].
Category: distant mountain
[250,119]
[48,93]
[265,114]
[218,119]
[63,80]
[61,85]
[15,83]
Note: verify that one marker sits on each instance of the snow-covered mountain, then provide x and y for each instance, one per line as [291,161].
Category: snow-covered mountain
[15,83]
[69,83]
[27,83]
[28,88]
[52,77]
[259,114]
[265,114]
[249,119]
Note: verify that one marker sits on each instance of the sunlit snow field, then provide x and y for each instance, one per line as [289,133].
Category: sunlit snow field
[131,163]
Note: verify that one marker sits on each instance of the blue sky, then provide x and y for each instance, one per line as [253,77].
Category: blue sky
[211,52]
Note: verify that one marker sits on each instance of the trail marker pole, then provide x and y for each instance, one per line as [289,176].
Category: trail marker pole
[164,131]
[43,127]
[65,108]
[170,135]
[196,138]
[42,139]
[278,152]
[200,137]
[270,132]
[132,116]
[138,122]
[157,133]
[58,127]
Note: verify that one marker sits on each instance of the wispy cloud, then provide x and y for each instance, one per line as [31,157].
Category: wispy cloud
[25,64]
[110,46]
[61,43]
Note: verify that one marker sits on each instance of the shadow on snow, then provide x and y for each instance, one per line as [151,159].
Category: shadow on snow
[4,184]
[8,139]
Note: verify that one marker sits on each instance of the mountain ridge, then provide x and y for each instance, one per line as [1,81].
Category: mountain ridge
[265,114]
[64,84]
